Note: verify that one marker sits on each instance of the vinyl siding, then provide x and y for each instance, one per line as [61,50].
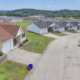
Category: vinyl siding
[0,46]
[33,28]
[62,29]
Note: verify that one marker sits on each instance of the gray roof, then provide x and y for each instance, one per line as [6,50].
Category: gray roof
[74,23]
[42,24]
[61,24]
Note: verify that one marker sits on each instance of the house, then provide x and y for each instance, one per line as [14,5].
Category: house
[59,26]
[11,36]
[42,27]
[72,26]
[10,19]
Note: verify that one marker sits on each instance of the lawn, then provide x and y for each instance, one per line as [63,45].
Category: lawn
[73,31]
[12,71]
[59,34]
[38,42]
[23,23]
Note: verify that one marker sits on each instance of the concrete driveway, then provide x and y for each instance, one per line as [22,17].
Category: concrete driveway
[51,35]
[78,31]
[60,60]
[68,33]
[22,56]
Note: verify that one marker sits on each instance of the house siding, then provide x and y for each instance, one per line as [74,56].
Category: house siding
[19,32]
[33,28]
[22,39]
[62,29]
[0,46]
[75,28]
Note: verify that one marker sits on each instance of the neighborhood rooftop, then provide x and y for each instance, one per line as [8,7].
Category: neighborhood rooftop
[8,30]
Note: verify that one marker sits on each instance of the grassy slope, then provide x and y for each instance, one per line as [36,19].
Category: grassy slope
[38,42]
[12,71]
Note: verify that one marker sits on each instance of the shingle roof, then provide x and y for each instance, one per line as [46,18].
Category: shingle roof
[74,23]
[42,24]
[8,30]
[5,35]
[61,24]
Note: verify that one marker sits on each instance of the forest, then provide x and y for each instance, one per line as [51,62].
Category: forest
[58,13]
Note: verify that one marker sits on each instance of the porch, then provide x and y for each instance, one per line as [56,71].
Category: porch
[16,41]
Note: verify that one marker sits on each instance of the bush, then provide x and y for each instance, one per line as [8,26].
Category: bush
[21,44]
[1,53]
[57,32]
[26,40]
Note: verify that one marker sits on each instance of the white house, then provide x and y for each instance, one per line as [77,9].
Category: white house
[40,27]
[48,26]
[11,36]
[72,26]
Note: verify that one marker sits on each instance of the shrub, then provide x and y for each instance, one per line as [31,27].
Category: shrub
[26,40]
[1,53]
[21,44]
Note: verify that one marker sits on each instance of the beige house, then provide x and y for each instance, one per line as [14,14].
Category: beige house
[11,36]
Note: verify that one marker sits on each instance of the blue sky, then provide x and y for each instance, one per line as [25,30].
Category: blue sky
[40,4]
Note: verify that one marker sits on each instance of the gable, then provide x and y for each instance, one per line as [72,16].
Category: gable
[20,31]
[53,24]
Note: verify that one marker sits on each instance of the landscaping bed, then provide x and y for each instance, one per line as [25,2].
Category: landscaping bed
[24,44]
[12,71]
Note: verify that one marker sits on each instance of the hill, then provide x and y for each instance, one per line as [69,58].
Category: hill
[61,13]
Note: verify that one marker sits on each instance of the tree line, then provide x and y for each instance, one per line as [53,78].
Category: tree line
[26,12]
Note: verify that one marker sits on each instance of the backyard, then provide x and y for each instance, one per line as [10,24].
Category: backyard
[38,42]
[12,71]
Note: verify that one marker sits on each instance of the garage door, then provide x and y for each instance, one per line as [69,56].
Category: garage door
[7,46]
[44,31]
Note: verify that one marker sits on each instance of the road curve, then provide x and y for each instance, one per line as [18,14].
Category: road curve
[60,60]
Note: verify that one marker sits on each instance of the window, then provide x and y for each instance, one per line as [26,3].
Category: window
[23,35]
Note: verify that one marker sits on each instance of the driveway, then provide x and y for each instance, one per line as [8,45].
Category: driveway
[51,35]
[78,31]
[60,60]
[68,33]
[22,56]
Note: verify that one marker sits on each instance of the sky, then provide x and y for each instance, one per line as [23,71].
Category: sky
[40,4]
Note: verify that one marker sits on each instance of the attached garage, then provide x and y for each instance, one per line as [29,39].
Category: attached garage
[40,27]
[43,31]
[7,46]
[62,29]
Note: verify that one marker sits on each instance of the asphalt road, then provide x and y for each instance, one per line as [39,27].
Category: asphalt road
[60,61]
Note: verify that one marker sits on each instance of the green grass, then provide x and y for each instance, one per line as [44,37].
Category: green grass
[23,23]
[38,42]
[61,18]
[73,31]
[59,34]
[12,71]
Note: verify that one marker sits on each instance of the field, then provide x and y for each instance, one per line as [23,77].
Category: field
[61,18]
[38,42]
[12,71]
